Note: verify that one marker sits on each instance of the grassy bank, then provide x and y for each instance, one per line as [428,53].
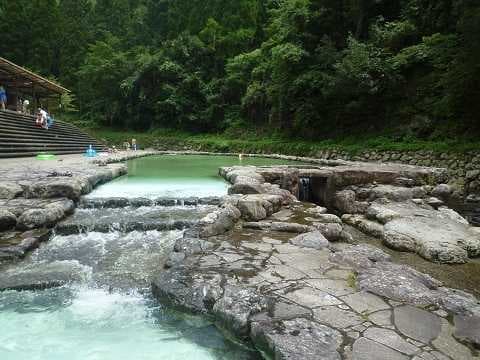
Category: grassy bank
[168,139]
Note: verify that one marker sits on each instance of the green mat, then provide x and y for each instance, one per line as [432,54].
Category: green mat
[45,157]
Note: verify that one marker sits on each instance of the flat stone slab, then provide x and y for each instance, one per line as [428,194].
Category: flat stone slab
[364,302]
[314,240]
[311,297]
[277,273]
[336,317]
[381,318]
[467,328]
[449,346]
[297,295]
[416,323]
[391,339]
[332,286]
[365,349]
[297,339]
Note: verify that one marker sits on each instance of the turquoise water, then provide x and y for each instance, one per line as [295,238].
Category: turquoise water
[177,176]
[95,324]
[109,314]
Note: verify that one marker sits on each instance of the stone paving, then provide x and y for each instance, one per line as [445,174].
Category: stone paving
[302,303]
[288,278]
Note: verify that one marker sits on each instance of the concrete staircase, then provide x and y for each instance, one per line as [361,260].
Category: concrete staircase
[20,137]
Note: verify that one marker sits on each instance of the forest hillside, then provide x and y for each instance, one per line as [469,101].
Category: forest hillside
[314,69]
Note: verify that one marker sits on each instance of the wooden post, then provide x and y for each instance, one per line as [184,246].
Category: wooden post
[34,99]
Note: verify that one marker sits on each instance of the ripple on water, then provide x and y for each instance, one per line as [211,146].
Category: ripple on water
[105,315]
[92,323]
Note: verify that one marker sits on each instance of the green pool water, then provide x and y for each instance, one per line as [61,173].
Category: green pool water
[177,176]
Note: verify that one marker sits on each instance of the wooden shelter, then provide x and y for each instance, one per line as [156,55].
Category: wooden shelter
[21,83]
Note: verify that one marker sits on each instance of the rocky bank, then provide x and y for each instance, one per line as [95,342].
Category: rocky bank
[287,277]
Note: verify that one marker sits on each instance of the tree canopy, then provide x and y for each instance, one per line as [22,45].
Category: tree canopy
[310,68]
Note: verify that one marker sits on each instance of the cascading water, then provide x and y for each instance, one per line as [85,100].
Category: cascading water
[304,189]
[107,257]
[106,312]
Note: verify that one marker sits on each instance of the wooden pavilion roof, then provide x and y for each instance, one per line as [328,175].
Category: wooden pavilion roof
[16,77]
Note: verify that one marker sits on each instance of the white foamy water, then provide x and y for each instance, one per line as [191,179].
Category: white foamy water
[92,324]
[157,188]
[106,312]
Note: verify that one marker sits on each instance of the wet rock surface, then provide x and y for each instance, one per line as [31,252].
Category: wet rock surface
[282,274]
[16,244]
[132,219]
[342,301]
[42,276]
[119,202]
[437,235]
[40,194]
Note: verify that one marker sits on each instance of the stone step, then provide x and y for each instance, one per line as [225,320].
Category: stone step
[46,135]
[134,219]
[70,228]
[16,119]
[33,129]
[35,153]
[41,148]
[121,202]
[59,140]
[20,137]
[20,128]
[12,141]
[26,120]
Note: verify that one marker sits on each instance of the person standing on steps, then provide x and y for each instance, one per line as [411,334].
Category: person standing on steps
[25,106]
[3,98]
[41,117]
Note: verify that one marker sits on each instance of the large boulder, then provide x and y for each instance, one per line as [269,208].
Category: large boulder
[32,219]
[189,290]
[246,188]
[313,240]
[331,231]
[365,225]
[219,222]
[395,193]
[47,216]
[7,220]
[234,309]
[252,209]
[21,243]
[259,207]
[71,188]
[9,190]
[434,237]
[345,202]
[442,191]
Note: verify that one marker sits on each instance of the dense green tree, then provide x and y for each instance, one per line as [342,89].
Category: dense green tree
[311,68]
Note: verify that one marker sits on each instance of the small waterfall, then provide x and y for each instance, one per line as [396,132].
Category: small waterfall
[305,190]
